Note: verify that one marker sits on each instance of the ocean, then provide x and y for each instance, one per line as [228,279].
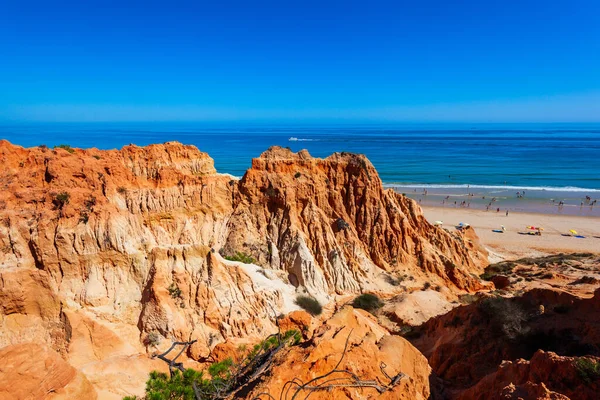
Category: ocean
[549,161]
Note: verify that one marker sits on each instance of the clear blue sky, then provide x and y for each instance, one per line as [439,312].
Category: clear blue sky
[442,60]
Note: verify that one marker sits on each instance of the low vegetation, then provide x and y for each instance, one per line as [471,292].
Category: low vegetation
[60,200]
[588,369]
[368,302]
[395,280]
[341,224]
[152,339]
[468,298]
[311,305]
[221,380]
[174,291]
[65,147]
[240,257]
[508,316]
[506,267]
[501,268]
[229,379]
[84,214]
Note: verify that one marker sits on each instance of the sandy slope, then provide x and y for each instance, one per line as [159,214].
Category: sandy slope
[512,245]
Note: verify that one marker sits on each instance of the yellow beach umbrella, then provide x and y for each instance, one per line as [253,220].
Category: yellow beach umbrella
[573,231]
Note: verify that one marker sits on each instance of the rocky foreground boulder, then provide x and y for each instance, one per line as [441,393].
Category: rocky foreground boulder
[32,371]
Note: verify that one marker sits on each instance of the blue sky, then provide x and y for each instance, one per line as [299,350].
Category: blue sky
[495,61]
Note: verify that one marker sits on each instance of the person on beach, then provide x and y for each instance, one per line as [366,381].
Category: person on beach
[507,213]
[498,209]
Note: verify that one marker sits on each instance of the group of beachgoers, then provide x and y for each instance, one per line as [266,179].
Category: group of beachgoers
[588,202]
[447,201]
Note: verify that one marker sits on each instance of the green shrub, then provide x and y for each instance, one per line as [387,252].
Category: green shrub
[468,298]
[587,369]
[121,190]
[368,302]
[297,175]
[221,369]
[426,285]
[178,387]
[65,147]
[97,157]
[60,200]
[309,304]
[221,381]
[395,280]
[174,291]
[241,257]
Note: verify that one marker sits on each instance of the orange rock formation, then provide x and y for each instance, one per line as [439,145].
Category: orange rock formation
[107,256]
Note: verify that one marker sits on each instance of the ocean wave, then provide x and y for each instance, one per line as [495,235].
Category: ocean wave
[295,139]
[497,187]
[237,178]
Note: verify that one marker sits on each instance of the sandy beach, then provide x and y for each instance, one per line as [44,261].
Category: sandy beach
[510,244]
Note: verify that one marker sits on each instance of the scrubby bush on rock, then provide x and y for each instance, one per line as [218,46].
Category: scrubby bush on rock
[368,302]
[309,304]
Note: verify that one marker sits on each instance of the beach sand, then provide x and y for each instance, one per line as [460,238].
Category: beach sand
[512,245]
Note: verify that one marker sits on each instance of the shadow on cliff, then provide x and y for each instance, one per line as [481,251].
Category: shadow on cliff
[472,341]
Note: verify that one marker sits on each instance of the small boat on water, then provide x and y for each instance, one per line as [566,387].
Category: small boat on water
[293,139]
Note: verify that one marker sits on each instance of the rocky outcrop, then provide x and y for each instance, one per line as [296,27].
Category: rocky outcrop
[545,376]
[332,227]
[576,273]
[369,350]
[107,256]
[466,346]
[31,371]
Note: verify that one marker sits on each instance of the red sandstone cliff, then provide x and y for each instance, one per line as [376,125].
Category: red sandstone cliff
[104,254]
[332,227]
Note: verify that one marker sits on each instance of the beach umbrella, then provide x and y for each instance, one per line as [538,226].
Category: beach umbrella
[573,231]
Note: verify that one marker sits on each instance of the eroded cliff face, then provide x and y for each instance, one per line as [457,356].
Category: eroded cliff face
[104,254]
[333,228]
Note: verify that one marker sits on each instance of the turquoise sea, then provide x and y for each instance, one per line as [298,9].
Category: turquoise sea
[552,160]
